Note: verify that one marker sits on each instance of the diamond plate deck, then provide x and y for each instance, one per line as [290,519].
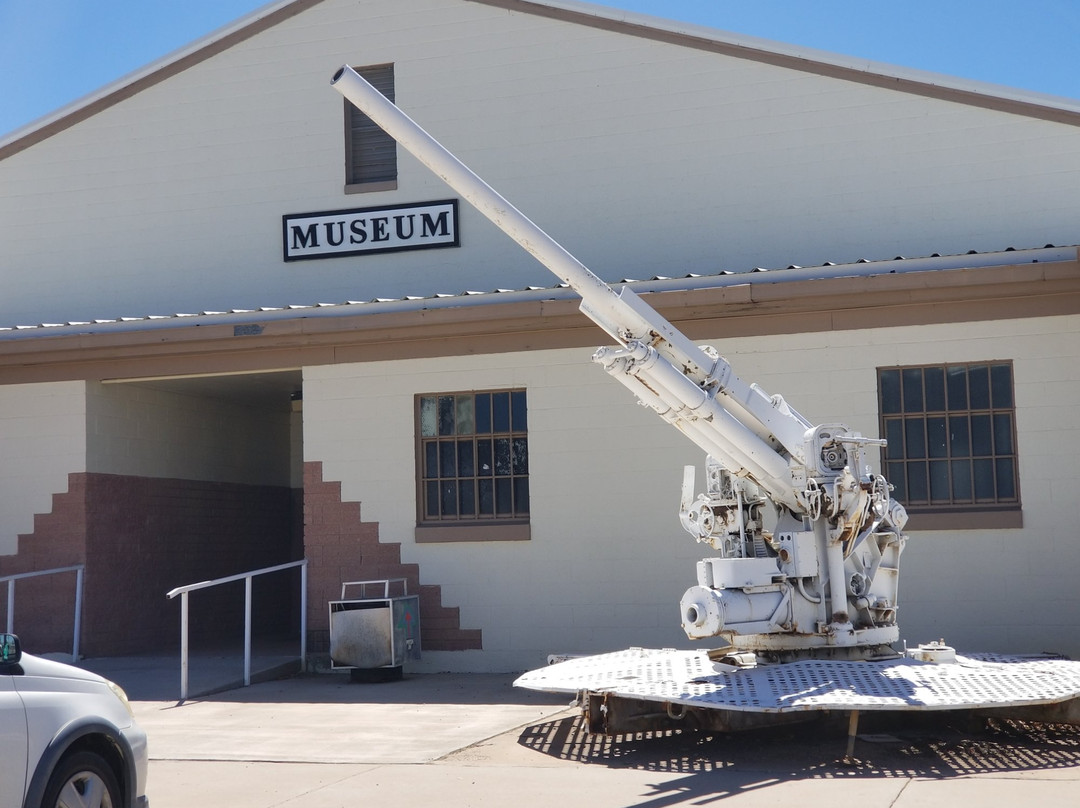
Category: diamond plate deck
[691,678]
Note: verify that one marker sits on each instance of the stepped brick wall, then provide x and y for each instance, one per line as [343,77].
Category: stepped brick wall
[139,538]
[149,535]
[340,546]
[45,606]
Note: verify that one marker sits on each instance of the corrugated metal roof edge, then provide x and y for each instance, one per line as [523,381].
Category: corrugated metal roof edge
[861,268]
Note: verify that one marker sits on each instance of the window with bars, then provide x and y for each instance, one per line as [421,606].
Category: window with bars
[473,457]
[951,432]
[370,153]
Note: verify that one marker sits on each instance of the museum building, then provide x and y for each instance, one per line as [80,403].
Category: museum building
[241,327]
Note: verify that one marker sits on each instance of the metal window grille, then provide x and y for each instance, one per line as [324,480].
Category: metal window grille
[951,432]
[473,456]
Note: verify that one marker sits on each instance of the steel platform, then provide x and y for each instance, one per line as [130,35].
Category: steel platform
[690,679]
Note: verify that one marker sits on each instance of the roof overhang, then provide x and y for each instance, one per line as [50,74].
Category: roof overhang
[797,300]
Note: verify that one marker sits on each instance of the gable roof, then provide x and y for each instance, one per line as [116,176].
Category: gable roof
[808,60]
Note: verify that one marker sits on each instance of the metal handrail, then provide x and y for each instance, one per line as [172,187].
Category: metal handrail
[78,570]
[184,591]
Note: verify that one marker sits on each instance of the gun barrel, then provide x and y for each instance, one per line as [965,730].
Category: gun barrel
[622,314]
[600,298]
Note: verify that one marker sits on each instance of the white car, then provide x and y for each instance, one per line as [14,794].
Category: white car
[67,737]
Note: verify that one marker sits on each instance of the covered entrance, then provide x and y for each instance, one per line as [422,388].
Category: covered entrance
[187,479]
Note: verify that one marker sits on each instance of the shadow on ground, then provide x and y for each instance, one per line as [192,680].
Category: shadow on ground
[217,677]
[910,746]
[421,688]
[157,678]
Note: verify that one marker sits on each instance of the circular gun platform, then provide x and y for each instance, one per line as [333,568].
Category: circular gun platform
[692,679]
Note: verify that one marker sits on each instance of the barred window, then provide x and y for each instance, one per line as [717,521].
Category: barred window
[951,432]
[473,457]
[370,153]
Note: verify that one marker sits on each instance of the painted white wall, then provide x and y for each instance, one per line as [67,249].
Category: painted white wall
[643,158]
[140,430]
[578,585]
[1008,590]
[51,430]
[608,562]
[42,441]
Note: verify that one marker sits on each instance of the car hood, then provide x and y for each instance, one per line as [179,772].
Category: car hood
[39,666]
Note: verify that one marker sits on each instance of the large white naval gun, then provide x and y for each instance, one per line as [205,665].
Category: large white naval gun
[799,597]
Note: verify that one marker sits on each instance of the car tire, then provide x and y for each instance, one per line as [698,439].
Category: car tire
[83,780]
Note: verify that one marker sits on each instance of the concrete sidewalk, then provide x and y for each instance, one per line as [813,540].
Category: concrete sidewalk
[474,740]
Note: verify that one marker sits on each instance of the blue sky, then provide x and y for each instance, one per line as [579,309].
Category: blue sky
[53,52]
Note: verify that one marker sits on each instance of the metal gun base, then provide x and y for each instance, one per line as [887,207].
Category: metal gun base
[646,689]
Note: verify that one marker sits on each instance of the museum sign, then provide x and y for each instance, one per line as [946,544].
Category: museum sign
[335,233]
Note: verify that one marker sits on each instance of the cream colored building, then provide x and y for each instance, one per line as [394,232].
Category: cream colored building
[220,330]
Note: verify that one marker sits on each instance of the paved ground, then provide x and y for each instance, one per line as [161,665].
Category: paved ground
[473,740]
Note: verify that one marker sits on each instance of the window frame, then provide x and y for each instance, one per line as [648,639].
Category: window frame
[476,526]
[946,456]
[383,78]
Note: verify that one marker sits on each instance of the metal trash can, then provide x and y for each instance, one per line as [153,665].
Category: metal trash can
[374,634]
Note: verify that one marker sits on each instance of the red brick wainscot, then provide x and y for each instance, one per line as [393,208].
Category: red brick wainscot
[340,546]
[140,537]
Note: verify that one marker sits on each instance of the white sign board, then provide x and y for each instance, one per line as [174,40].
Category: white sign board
[334,233]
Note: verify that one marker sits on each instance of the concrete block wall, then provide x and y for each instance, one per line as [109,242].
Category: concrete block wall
[139,430]
[180,488]
[1007,590]
[45,605]
[607,561]
[42,441]
[987,589]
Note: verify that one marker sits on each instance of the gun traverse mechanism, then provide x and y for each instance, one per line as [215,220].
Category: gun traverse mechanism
[820,577]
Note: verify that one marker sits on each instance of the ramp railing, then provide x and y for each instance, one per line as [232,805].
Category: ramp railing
[77,569]
[246,577]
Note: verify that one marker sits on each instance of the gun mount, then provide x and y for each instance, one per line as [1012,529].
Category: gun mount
[821,579]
